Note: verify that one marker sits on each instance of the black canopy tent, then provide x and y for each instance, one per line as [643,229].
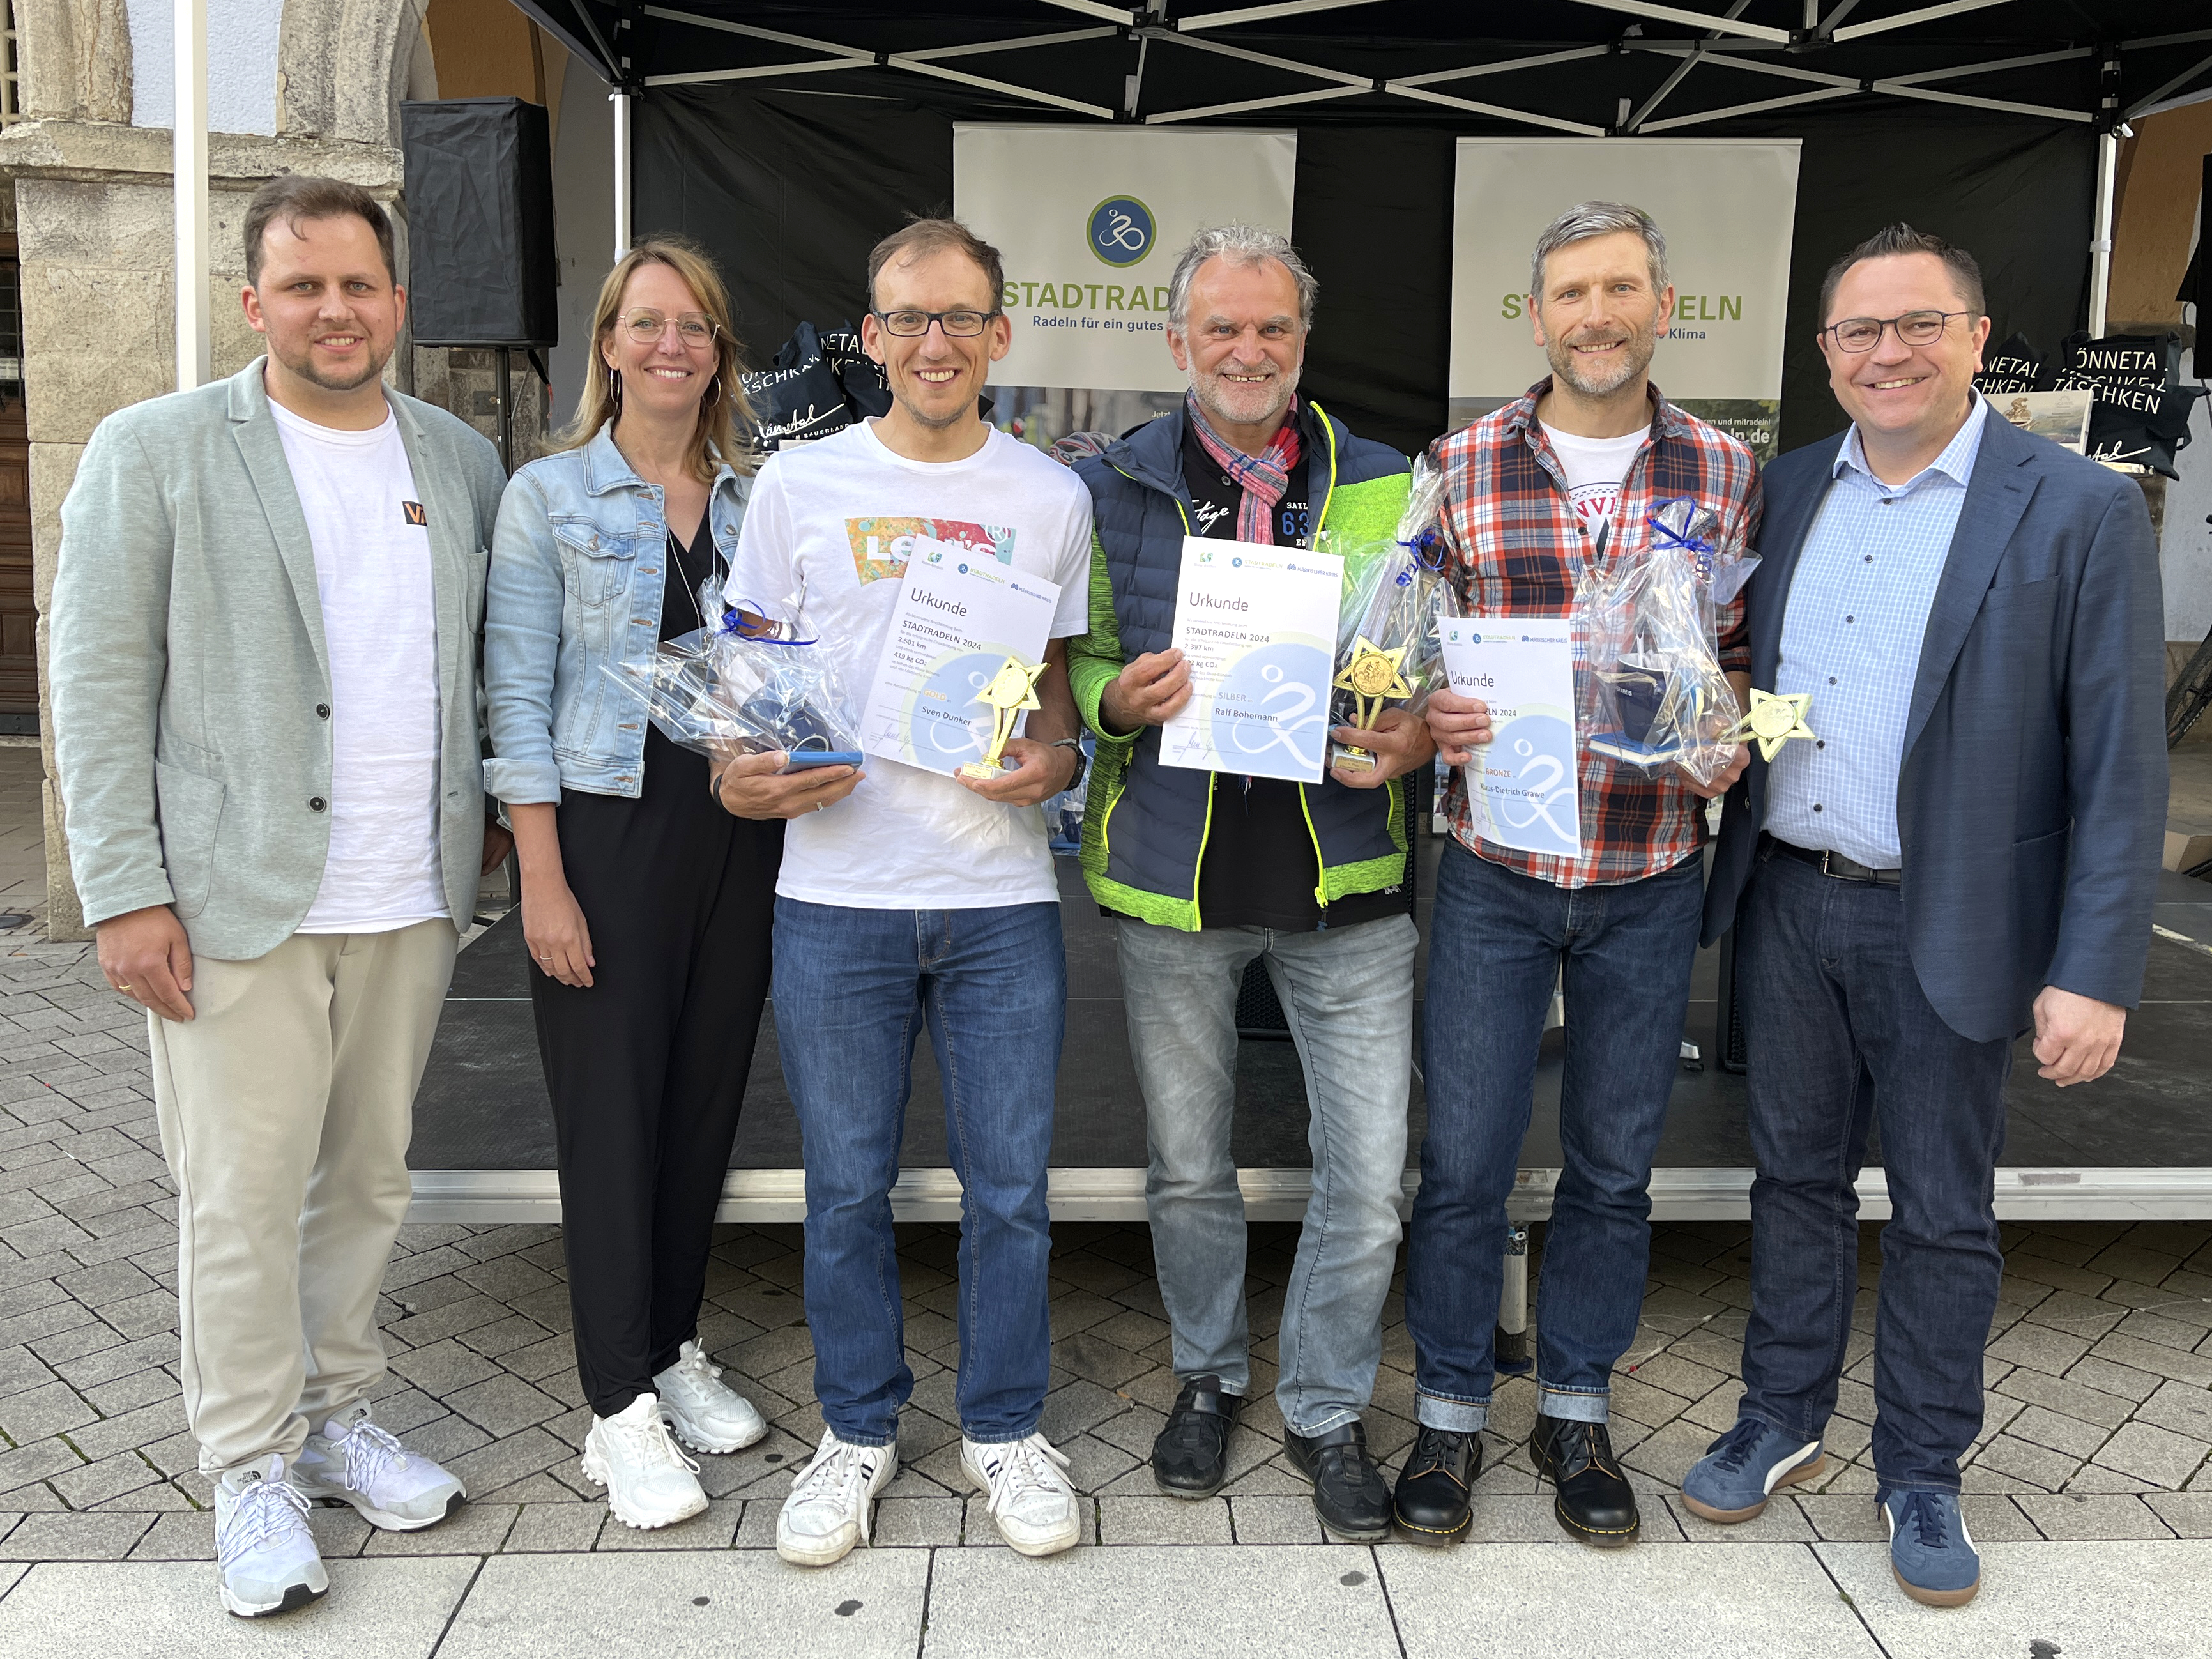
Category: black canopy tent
[788,137]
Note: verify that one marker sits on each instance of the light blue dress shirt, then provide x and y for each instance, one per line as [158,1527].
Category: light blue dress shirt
[1850,635]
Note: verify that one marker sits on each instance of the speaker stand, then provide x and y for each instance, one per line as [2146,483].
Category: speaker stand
[507,411]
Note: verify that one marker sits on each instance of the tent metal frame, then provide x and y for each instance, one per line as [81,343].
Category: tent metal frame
[1727,42]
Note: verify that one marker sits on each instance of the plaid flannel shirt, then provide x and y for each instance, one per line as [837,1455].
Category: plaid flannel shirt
[1515,548]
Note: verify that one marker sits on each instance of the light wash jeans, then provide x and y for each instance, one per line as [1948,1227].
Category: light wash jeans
[1348,995]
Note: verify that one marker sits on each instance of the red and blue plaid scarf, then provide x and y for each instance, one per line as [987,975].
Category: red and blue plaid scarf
[1262,477]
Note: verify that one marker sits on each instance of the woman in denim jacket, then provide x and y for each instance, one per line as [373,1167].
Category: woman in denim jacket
[602,550]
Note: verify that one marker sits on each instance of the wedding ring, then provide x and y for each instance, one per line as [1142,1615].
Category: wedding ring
[819,804]
[124,986]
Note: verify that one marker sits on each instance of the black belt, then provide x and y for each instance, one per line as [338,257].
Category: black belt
[1838,867]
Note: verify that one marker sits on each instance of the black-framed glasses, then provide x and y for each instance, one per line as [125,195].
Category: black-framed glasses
[956,325]
[647,327]
[1913,328]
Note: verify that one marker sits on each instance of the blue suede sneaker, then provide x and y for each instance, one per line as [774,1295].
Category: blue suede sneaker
[1934,1560]
[1741,1470]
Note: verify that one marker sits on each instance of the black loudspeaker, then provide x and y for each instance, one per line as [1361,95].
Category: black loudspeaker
[479,180]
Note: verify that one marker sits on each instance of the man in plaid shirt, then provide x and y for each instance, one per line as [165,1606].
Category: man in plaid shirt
[1560,480]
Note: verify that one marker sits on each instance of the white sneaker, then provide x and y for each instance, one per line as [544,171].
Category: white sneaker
[649,1483]
[358,1463]
[704,1413]
[827,1510]
[1036,1508]
[263,1550]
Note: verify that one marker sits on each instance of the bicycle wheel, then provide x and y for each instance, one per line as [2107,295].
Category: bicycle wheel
[2191,696]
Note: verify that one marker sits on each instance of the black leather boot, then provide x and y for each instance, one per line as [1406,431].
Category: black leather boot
[1433,1503]
[1349,1491]
[1595,1502]
[1190,1457]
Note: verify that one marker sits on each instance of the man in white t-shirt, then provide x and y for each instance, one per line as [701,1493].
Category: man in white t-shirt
[915,899]
[266,699]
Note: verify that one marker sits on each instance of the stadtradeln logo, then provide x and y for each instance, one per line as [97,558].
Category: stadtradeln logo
[1121,231]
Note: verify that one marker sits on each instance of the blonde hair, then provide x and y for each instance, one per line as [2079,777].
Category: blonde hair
[723,417]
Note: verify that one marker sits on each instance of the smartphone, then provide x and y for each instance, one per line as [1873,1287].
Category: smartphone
[801,759]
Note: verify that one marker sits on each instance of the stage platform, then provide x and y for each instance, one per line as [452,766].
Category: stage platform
[2136,1145]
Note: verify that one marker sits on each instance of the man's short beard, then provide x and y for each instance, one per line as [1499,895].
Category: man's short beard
[1637,346]
[303,366]
[1205,388]
[934,422]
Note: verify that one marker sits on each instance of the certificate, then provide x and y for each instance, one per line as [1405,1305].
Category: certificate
[1522,786]
[1257,626]
[958,619]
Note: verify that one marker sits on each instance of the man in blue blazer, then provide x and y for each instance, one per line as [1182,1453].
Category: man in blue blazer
[1966,848]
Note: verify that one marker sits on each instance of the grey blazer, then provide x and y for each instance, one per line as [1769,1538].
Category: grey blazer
[191,685]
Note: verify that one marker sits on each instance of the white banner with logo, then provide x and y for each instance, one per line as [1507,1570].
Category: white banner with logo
[1091,220]
[1727,208]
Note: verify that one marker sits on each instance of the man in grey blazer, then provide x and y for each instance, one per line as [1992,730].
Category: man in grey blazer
[266,708]
[1966,849]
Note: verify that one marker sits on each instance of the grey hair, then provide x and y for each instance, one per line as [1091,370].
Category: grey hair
[1244,245]
[1587,219]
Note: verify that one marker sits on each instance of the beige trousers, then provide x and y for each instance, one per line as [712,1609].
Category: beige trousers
[286,1107]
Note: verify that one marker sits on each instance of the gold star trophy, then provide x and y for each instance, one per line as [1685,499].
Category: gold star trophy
[1373,677]
[1772,721]
[1011,690]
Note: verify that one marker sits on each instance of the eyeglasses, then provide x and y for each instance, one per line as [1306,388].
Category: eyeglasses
[956,325]
[647,327]
[1914,328]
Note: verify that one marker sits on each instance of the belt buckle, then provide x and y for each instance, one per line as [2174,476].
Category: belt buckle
[1826,855]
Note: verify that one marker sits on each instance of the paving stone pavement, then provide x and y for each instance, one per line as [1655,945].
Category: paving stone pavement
[2099,1371]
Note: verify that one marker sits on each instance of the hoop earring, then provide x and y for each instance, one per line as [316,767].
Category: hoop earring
[714,393]
[614,387]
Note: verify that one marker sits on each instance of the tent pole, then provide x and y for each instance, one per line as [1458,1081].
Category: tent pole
[622,100]
[188,162]
[2100,232]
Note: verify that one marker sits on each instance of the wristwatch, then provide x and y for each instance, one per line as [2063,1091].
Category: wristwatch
[1082,760]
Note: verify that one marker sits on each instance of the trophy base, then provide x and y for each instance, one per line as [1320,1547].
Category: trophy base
[1343,758]
[984,771]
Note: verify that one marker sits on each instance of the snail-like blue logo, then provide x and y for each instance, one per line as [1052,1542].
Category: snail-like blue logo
[1121,230]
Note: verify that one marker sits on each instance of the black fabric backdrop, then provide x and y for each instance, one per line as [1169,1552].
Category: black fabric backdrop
[790,189]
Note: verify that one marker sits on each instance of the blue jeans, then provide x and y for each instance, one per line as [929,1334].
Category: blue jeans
[851,988]
[1497,940]
[1347,995]
[1840,1034]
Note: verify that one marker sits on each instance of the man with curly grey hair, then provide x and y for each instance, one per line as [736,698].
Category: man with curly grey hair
[1208,873]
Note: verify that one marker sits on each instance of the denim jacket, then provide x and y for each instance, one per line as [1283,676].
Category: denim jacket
[577,576]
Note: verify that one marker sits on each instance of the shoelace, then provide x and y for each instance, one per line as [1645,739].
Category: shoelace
[647,1443]
[1735,1448]
[1433,1453]
[1919,1512]
[266,1509]
[369,1451]
[695,1369]
[841,1473]
[1022,1467]
[1584,1446]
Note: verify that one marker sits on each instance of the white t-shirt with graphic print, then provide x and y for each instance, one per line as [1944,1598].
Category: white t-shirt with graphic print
[830,525]
[1594,468]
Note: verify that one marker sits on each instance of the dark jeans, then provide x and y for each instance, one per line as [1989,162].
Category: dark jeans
[1497,940]
[1840,1034]
[854,989]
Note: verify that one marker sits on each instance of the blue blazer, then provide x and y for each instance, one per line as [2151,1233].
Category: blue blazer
[2030,802]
